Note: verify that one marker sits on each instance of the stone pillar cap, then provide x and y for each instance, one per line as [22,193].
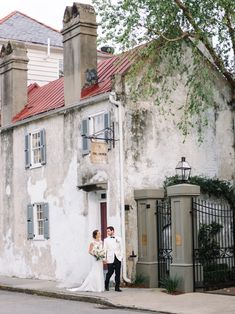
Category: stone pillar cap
[183,190]
[149,194]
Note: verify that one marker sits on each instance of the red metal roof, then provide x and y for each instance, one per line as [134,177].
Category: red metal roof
[42,99]
[51,96]
[106,69]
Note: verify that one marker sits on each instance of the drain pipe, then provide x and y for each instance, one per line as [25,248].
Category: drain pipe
[118,104]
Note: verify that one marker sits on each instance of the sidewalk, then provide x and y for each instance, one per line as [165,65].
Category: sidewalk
[147,299]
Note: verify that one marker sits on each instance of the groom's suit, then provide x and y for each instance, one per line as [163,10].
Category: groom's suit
[113,249]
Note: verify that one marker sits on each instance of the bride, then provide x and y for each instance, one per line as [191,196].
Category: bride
[95,279]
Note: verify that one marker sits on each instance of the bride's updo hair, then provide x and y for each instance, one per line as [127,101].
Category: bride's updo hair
[94,233]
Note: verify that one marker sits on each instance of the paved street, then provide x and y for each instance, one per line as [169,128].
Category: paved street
[20,303]
[145,300]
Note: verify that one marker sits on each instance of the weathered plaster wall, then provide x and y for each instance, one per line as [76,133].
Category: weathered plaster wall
[73,213]
[154,145]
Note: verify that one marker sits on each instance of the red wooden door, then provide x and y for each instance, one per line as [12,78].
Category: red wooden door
[103,218]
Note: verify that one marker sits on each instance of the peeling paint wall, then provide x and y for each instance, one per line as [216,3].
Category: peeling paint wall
[73,213]
[154,145]
[152,148]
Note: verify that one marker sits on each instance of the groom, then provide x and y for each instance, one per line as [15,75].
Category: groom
[113,250]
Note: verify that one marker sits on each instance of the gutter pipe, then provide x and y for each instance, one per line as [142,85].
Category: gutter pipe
[118,104]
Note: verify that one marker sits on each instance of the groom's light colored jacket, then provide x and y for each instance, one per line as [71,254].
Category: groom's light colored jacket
[112,247]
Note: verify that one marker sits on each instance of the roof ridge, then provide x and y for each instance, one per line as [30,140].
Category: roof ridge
[32,87]
[31,18]
[7,16]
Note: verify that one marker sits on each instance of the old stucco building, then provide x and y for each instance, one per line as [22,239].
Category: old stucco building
[56,187]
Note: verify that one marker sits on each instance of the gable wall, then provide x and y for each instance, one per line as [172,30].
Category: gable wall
[153,143]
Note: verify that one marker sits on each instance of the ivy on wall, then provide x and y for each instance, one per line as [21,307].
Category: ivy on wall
[213,187]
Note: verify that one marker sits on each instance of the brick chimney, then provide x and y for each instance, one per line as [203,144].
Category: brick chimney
[80,50]
[13,71]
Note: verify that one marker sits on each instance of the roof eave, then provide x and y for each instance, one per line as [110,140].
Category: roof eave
[80,104]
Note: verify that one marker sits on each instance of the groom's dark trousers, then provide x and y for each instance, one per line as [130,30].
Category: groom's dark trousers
[113,267]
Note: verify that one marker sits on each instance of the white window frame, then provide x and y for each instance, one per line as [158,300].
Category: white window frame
[91,124]
[88,130]
[30,149]
[38,235]
[33,164]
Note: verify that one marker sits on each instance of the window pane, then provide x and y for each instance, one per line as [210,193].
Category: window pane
[36,154]
[40,228]
[40,222]
[97,126]
[98,123]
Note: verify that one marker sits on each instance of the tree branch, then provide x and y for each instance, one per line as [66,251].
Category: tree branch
[184,35]
[230,29]
[216,58]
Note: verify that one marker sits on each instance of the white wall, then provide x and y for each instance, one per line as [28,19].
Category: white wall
[73,213]
[43,67]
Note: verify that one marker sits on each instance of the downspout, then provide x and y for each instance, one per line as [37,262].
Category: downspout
[118,104]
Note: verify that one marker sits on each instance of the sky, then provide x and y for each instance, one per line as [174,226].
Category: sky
[49,12]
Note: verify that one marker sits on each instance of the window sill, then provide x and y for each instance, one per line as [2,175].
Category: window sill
[39,239]
[35,166]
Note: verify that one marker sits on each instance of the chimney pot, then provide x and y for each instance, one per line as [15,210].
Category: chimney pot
[13,74]
[80,50]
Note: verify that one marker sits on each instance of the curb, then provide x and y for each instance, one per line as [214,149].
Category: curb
[81,298]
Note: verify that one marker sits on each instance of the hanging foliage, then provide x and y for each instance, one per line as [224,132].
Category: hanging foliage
[169,27]
[210,186]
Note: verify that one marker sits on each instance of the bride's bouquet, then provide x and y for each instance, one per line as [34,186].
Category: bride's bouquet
[98,253]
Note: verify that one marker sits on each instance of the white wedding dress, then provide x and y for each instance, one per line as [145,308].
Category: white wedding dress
[94,281]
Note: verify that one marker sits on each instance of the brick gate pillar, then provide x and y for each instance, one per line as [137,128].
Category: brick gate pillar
[147,264]
[181,219]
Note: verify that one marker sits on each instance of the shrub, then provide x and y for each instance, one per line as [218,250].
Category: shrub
[140,279]
[208,246]
[171,283]
[216,273]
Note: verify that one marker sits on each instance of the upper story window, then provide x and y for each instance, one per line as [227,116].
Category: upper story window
[94,126]
[38,221]
[97,125]
[35,149]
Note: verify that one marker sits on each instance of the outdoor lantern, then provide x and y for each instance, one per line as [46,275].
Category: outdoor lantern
[183,170]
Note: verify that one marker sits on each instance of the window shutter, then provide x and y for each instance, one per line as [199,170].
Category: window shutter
[107,133]
[27,151]
[30,234]
[43,146]
[46,220]
[85,141]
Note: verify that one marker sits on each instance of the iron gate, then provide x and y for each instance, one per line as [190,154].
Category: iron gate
[213,245]
[164,239]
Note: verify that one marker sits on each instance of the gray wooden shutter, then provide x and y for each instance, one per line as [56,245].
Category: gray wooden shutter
[30,232]
[85,141]
[27,151]
[46,220]
[107,133]
[43,146]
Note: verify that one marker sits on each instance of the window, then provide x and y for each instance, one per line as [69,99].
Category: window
[35,149]
[95,125]
[38,221]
